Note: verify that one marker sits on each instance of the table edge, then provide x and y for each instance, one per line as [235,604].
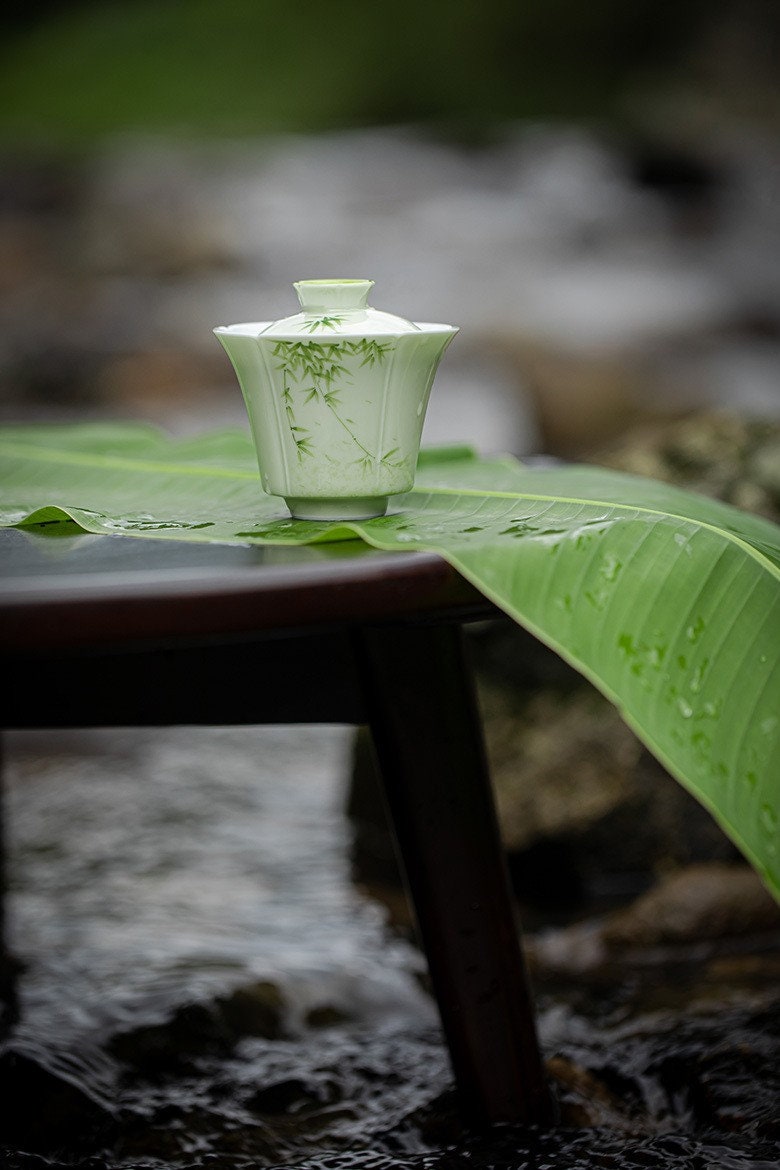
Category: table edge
[83,612]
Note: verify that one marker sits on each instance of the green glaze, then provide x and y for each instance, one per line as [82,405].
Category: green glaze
[336,397]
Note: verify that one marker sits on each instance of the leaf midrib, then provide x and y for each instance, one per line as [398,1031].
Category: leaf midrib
[704,524]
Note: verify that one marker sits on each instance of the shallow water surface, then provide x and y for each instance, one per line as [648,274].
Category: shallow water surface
[201,984]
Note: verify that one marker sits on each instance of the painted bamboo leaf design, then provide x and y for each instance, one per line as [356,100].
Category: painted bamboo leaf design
[318,370]
[329,322]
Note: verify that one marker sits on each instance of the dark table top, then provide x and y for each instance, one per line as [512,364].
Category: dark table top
[90,590]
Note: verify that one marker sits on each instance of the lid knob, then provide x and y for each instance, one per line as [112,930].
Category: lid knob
[333,296]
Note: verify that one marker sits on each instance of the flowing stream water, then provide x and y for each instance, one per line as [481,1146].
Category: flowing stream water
[201,984]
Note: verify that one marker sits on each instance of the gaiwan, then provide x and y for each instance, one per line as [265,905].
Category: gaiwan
[336,396]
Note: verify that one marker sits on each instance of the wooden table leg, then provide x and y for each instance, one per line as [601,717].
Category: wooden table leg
[428,739]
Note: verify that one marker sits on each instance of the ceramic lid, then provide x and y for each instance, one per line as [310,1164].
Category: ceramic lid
[333,307]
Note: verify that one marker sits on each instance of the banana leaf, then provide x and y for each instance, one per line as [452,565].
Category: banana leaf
[667,601]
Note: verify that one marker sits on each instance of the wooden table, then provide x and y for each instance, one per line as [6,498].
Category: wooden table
[119,631]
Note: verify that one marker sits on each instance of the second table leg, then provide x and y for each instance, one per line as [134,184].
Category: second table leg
[428,739]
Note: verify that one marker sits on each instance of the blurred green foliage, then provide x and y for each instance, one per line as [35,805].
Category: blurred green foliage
[235,67]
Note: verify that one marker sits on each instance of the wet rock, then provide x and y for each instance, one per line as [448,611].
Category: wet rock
[20,1160]
[11,967]
[293,1096]
[764,467]
[581,397]
[584,1099]
[745,970]
[325,1016]
[706,931]
[701,902]
[548,784]
[439,1121]
[200,1030]
[724,455]
[49,1099]
[586,813]
[575,951]
[719,1069]
[193,1031]
[733,1085]
[174,1132]
[256,1010]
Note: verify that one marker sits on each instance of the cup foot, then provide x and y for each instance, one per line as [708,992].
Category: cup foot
[327,508]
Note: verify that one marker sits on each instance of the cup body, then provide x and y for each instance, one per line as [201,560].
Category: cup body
[336,420]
